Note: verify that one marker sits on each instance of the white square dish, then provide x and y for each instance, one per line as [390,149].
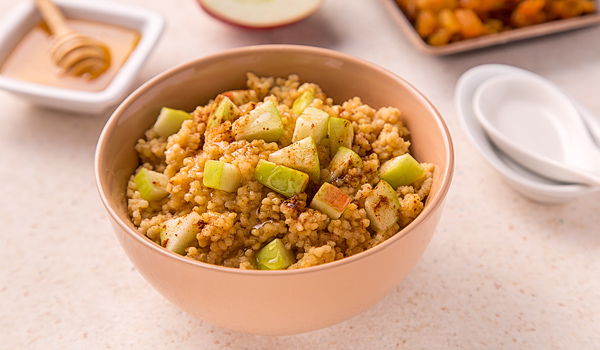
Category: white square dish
[25,15]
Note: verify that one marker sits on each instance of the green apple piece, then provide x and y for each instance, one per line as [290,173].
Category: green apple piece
[152,185]
[303,101]
[341,133]
[178,233]
[312,122]
[263,122]
[222,176]
[241,97]
[281,179]
[343,160]
[274,256]
[225,110]
[330,200]
[401,170]
[382,207]
[301,155]
[169,121]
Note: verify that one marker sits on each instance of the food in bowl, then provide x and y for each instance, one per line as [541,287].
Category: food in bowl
[440,22]
[276,176]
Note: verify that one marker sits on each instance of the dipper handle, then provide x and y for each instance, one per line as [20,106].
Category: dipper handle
[53,17]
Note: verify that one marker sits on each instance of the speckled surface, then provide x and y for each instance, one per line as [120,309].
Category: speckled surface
[502,272]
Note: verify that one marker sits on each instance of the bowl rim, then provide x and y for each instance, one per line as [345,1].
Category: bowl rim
[150,24]
[113,121]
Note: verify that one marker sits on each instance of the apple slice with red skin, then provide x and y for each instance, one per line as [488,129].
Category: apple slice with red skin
[330,200]
[260,14]
[241,97]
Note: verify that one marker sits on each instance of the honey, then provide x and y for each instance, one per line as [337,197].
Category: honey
[30,59]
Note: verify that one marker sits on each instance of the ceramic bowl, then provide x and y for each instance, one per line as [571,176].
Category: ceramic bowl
[273,302]
[25,15]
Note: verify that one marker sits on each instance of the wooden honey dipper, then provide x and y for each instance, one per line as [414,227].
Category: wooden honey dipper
[74,53]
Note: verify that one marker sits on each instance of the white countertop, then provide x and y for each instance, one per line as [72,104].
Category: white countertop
[502,272]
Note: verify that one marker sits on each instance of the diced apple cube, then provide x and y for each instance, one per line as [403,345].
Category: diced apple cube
[178,233]
[152,185]
[169,121]
[263,122]
[312,122]
[225,110]
[341,134]
[301,155]
[330,200]
[343,160]
[281,179]
[274,256]
[401,171]
[222,176]
[383,207]
[303,101]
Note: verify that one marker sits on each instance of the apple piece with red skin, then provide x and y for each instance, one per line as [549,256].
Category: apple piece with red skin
[263,14]
[241,97]
[330,200]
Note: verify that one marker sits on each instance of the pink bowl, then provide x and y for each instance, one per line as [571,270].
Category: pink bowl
[273,302]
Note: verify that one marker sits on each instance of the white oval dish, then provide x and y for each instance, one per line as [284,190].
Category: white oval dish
[537,126]
[527,183]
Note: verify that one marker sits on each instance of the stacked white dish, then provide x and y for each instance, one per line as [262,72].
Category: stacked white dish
[528,183]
